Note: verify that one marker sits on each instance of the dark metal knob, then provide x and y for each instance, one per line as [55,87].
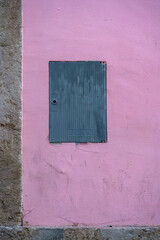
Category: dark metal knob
[54,101]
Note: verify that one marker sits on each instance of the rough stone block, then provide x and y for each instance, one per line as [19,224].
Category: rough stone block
[82,233]
[10,112]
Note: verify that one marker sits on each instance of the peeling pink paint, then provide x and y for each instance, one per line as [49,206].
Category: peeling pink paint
[114,183]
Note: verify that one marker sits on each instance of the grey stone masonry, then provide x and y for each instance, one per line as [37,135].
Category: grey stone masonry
[128,233]
[10,112]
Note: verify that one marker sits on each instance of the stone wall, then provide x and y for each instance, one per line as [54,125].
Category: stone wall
[10,112]
[19,233]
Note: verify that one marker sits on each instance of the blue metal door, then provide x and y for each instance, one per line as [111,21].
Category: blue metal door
[77,101]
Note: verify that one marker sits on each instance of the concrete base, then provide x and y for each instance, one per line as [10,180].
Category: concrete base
[118,233]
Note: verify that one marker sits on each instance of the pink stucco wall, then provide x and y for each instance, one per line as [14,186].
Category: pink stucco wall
[113,183]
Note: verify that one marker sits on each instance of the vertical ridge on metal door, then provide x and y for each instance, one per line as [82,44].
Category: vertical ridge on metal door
[77,101]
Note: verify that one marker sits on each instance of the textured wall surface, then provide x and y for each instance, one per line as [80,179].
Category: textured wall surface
[10,112]
[113,183]
[20,233]
[10,165]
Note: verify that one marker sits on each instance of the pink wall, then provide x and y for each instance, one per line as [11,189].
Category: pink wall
[114,183]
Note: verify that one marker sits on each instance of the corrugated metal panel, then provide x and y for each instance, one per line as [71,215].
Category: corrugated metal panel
[77,101]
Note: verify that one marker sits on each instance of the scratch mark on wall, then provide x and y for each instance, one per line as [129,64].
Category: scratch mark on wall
[73,223]
[58,171]
[28,212]
[91,151]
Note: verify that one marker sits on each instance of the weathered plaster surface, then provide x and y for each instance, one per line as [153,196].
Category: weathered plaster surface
[114,183]
[10,112]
